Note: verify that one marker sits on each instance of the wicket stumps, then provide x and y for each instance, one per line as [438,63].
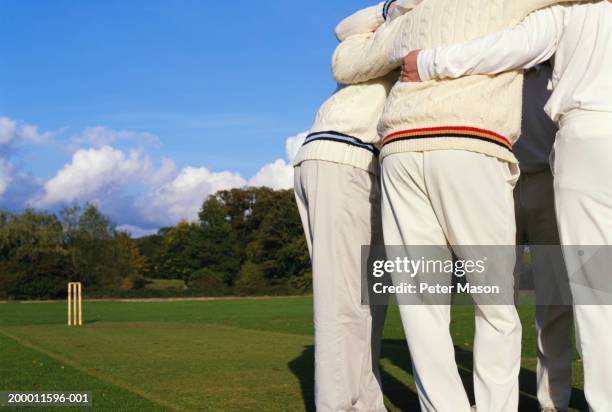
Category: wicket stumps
[75,304]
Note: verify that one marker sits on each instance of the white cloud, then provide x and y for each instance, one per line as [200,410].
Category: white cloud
[138,194]
[17,186]
[103,136]
[166,171]
[279,175]
[31,133]
[8,129]
[182,198]
[102,176]
[11,130]
[293,144]
[6,172]
[95,173]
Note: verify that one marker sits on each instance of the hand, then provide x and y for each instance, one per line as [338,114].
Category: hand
[410,69]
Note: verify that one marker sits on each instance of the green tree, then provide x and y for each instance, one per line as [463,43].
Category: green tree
[34,262]
[245,209]
[207,282]
[246,240]
[89,238]
[220,251]
[129,262]
[279,247]
[101,257]
[181,251]
[151,248]
[251,280]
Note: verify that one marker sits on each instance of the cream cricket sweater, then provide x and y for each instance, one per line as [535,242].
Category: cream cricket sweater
[475,113]
[353,111]
[578,35]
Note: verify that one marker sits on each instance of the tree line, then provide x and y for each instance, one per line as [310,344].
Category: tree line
[245,241]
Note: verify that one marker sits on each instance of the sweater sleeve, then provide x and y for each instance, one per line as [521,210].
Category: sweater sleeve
[363,21]
[367,56]
[531,42]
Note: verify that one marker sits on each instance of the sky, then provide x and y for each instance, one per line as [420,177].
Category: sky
[145,108]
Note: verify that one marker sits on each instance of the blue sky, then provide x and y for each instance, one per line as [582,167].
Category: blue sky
[171,89]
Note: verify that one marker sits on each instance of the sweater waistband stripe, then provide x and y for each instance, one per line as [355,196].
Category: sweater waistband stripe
[340,138]
[450,131]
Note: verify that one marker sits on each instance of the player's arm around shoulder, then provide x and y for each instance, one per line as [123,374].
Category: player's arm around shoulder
[531,42]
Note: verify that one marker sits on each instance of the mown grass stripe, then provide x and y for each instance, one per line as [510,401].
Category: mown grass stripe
[112,381]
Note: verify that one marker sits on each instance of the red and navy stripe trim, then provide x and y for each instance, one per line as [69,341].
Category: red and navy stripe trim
[449,131]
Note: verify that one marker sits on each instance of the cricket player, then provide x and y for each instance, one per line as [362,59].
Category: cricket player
[536,225]
[578,35]
[448,174]
[338,196]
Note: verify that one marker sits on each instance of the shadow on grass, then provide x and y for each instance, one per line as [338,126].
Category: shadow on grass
[303,368]
[396,391]
[404,398]
[91,321]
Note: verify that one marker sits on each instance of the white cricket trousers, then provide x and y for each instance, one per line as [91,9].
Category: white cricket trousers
[536,224]
[340,210]
[583,195]
[458,198]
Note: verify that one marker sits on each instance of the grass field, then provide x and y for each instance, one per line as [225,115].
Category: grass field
[218,355]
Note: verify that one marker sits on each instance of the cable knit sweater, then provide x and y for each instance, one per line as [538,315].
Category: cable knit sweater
[353,110]
[475,113]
